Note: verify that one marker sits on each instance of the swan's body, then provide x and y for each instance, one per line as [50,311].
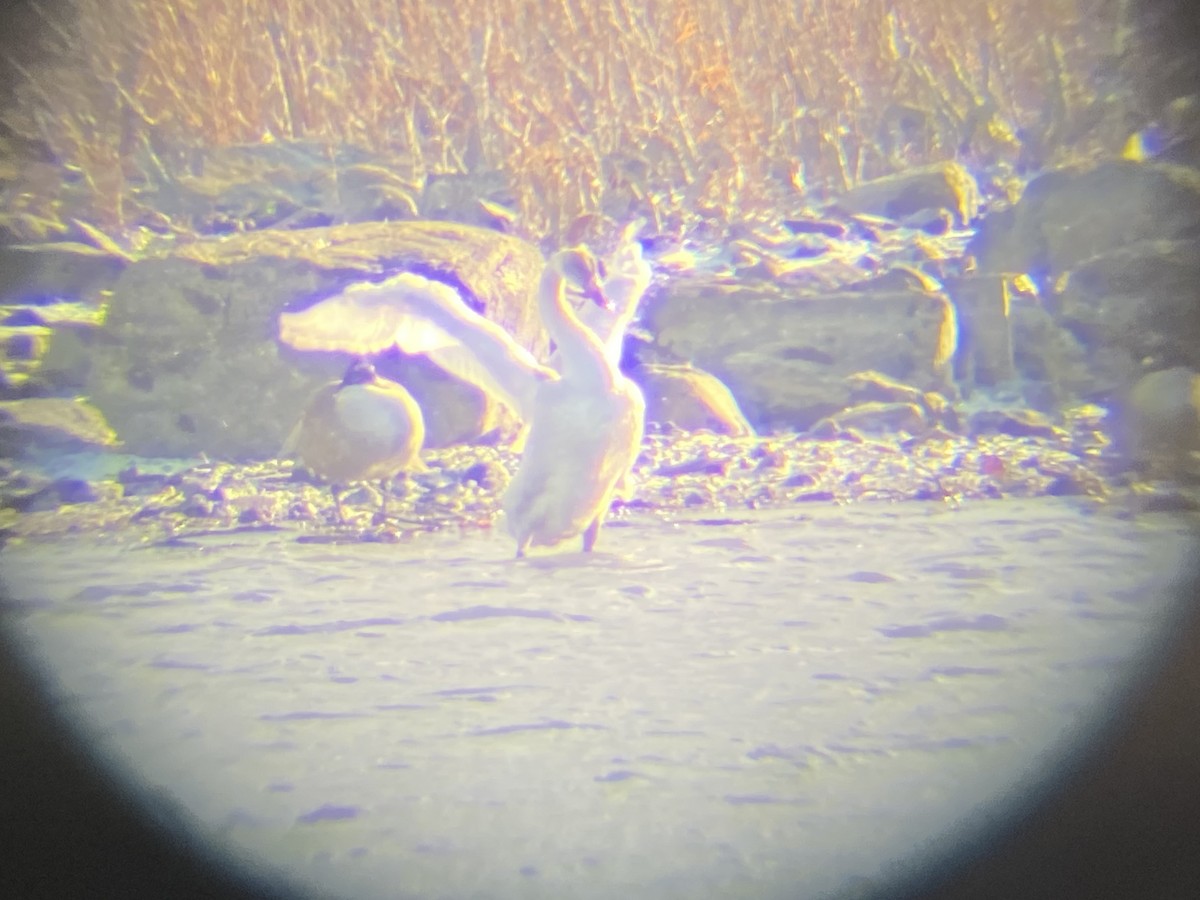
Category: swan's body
[586,429]
[585,417]
[360,428]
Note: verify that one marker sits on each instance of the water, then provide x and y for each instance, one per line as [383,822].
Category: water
[790,704]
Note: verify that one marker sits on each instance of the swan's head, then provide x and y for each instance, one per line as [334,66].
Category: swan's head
[580,268]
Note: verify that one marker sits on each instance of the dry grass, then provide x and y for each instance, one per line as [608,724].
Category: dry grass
[677,109]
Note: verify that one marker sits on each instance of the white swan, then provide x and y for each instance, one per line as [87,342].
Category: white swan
[626,279]
[585,417]
[586,428]
[421,316]
[360,428]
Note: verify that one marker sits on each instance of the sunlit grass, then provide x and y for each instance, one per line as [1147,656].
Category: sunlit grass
[678,110]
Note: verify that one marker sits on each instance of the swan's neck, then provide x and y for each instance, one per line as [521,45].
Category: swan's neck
[582,355]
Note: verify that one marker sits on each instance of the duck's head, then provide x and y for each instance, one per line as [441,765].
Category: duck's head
[581,269]
[359,372]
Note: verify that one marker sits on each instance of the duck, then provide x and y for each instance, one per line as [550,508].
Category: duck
[360,428]
[584,417]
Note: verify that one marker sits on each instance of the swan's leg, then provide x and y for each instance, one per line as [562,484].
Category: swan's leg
[590,535]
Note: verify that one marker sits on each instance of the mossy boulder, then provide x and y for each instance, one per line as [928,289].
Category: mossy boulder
[785,352]
[682,396]
[187,360]
[916,192]
[1068,216]
[1160,422]
[1115,250]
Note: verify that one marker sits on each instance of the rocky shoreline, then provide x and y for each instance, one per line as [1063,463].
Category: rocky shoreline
[678,472]
[930,335]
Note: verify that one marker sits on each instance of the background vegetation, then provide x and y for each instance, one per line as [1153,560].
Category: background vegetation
[683,110]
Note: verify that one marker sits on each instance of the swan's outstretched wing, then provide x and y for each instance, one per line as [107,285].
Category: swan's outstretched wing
[421,316]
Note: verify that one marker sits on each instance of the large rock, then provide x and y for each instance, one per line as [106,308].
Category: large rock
[1134,307]
[476,199]
[942,186]
[1116,250]
[40,421]
[985,351]
[682,396]
[56,270]
[281,184]
[187,361]
[1068,216]
[786,354]
[1055,369]
[1160,425]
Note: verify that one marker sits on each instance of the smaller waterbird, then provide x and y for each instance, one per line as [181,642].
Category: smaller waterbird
[362,428]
